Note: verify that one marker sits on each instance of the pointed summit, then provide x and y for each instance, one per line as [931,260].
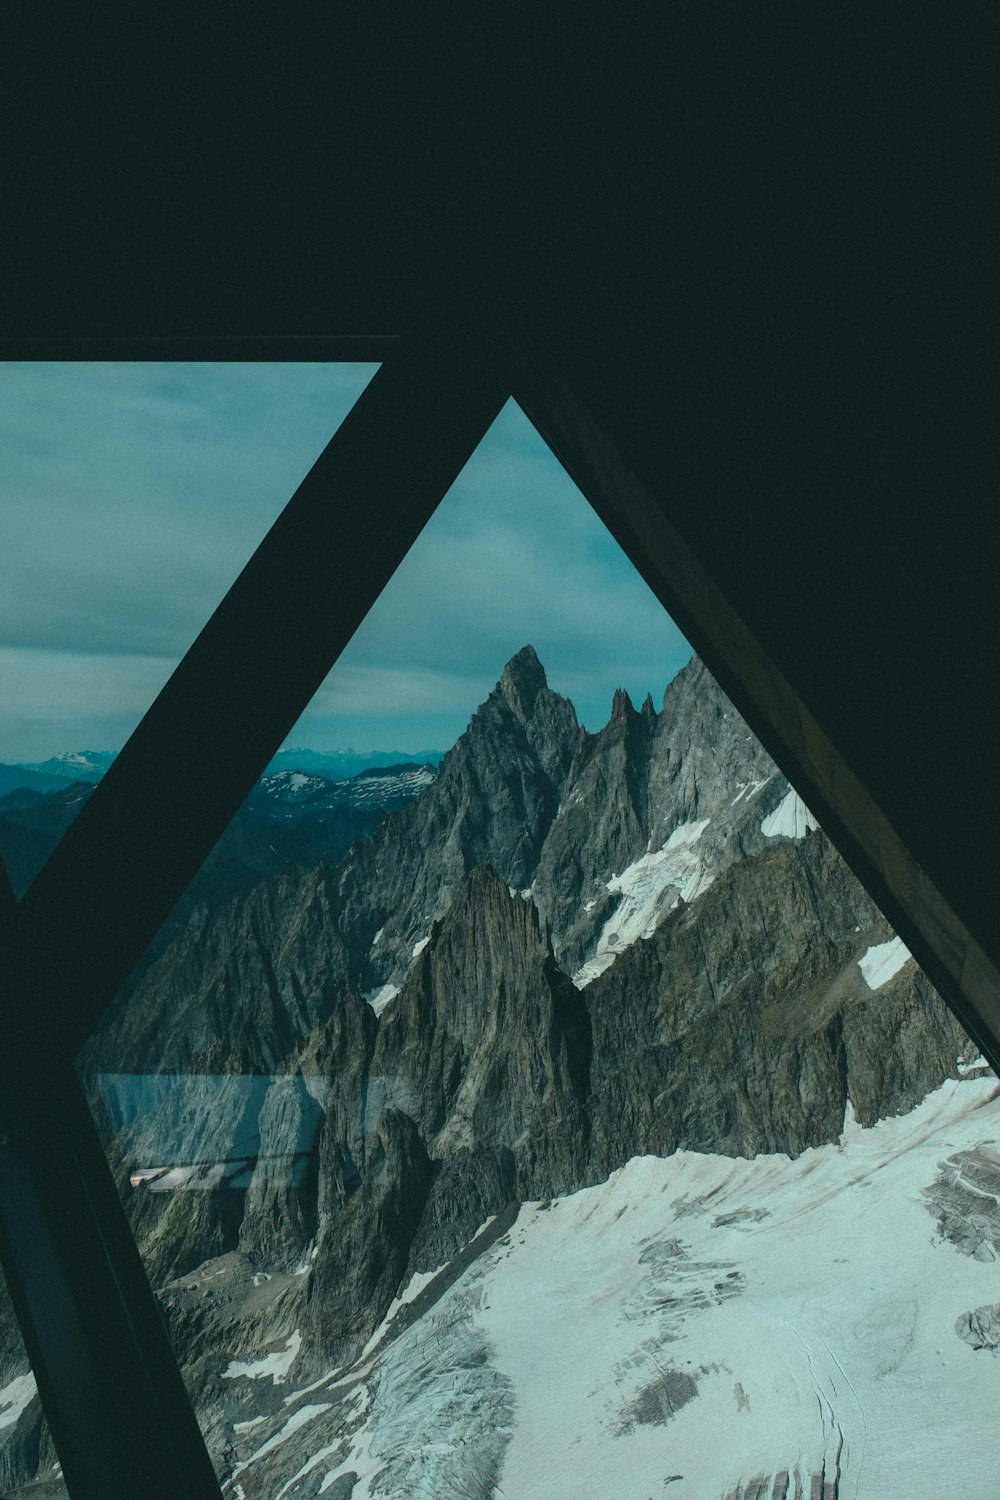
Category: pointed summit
[521,681]
[621,705]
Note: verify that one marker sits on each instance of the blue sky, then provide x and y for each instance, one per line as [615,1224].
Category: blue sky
[131,496]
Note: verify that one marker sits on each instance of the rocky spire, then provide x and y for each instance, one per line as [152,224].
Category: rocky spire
[521,681]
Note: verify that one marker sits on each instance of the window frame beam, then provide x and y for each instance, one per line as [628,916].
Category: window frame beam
[110,1384]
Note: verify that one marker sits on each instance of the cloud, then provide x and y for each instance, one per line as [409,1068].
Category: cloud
[133,495]
[59,700]
[515,554]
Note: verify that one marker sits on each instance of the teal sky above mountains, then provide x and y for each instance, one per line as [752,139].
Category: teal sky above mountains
[132,494]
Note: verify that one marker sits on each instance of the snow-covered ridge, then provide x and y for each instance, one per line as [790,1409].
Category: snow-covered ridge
[297,797]
[369,790]
[293,784]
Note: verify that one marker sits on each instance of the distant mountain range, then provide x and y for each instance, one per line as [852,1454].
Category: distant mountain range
[291,818]
[90,765]
[339,765]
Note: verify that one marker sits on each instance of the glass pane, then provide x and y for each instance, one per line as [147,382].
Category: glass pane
[132,495]
[577,1126]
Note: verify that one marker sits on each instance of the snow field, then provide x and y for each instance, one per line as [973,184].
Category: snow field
[695,1320]
[841,1336]
[14,1397]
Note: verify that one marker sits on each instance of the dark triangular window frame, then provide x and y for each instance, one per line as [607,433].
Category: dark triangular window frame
[110,1386]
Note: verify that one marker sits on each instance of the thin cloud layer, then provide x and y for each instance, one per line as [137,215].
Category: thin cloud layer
[132,495]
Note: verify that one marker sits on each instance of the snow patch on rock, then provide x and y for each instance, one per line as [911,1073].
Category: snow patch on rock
[276,1365]
[15,1397]
[379,999]
[883,962]
[649,887]
[790,819]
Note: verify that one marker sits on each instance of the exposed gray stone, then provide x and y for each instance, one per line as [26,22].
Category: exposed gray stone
[657,1401]
[965,1199]
[981,1328]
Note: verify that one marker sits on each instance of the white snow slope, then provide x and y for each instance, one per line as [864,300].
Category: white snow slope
[826,1324]
[692,1324]
[14,1397]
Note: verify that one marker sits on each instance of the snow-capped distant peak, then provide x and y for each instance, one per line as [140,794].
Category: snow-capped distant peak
[293,784]
[75,765]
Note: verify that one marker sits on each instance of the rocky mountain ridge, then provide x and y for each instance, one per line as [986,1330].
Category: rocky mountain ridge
[566,952]
[604,833]
[742,1023]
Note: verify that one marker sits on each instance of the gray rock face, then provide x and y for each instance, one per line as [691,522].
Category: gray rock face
[981,1328]
[489,1044]
[492,803]
[602,825]
[364,1249]
[253,978]
[745,1025]
[279,1213]
[964,1200]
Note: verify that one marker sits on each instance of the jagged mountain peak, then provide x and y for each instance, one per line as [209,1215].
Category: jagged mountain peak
[521,681]
[692,679]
